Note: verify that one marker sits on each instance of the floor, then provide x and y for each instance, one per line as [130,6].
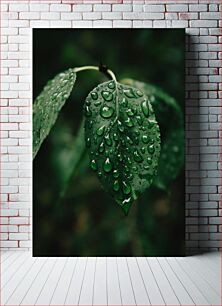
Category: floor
[193,280]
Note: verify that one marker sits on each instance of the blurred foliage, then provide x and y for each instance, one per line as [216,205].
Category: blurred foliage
[86,221]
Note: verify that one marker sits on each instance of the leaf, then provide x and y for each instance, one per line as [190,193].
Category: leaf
[67,154]
[171,158]
[170,118]
[48,104]
[123,140]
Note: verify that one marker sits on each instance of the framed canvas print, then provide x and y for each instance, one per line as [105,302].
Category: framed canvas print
[108,142]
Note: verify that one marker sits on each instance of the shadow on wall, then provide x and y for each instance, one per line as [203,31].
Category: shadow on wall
[195,224]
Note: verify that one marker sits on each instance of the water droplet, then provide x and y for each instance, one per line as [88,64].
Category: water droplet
[137,132]
[116,185]
[107,95]
[101,147]
[90,124]
[151,149]
[130,112]
[143,149]
[88,142]
[111,85]
[100,130]
[146,167]
[137,157]
[145,108]
[129,160]
[145,139]
[120,126]
[152,98]
[129,140]
[136,140]
[124,102]
[151,124]
[149,160]
[99,174]
[139,120]
[108,139]
[93,165]
[107,166]
[123,142]
[115,137]
[97,103]
[88,112]
[175,149]
[126,168]
[106,112]
[130,176]
[126,201]
[88,102]
[94,95]
[126,188]
[120,157]
[134,168]
[129,93]
[129,122]
[139,93]
[115,173]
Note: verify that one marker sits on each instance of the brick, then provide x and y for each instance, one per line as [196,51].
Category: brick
[18,7]
[137,8]
[9,212]
[24,229]
[60,7]
[102,23]
[122,7]
[209,15]
[203,23]
[198,7]
[122,23]
[154,8]
[187,16]
[52,16]
[171,16]
[18,236]
[215,220]
[18,220]
[111,15]
[29,15]
[82,7]
[60,24]
[133,15]
[102,7]
[25,244]
[36,7]
[92,15]
[180,23]
[177,8]
[70,16]
[8,244]
[82,23]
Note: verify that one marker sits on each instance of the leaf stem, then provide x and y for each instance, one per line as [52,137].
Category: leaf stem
[106,72]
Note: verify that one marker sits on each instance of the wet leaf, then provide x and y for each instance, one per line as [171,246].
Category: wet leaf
[48,104]
[170,118]
[123,140]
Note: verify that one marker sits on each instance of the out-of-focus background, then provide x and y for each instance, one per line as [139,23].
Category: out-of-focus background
[86,221]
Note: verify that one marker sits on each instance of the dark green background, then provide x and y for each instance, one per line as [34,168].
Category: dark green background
[87,222]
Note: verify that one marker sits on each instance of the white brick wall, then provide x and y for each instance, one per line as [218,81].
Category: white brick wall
[201,19]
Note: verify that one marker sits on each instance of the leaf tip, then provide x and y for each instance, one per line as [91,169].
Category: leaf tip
[126,209]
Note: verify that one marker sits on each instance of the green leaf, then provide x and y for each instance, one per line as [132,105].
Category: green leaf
[67,154]
[123,140]
[170,118]
[48,104]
